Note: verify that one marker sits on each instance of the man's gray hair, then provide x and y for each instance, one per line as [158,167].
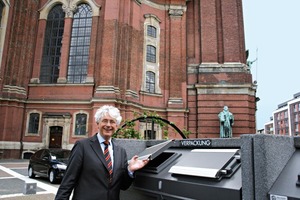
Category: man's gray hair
[111,110]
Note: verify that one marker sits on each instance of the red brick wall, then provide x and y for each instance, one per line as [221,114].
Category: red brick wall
[241,106]
[203,48]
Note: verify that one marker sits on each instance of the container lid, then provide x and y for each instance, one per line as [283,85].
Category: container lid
[154,151]
[209,163]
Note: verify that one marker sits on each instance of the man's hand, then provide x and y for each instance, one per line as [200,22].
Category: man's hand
[136,164]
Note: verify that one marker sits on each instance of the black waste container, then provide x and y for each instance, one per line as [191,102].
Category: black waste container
[189,169]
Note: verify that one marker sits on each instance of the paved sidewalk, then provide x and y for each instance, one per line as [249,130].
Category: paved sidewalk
[13,179]
[31,197]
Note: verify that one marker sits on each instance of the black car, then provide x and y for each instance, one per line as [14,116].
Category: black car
[49,163]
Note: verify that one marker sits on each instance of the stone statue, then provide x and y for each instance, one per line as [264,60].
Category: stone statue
[226,122]
[250,63]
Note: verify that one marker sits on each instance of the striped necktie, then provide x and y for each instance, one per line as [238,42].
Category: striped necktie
[108,160]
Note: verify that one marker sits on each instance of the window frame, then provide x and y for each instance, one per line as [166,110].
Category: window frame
[69,9]
[151,31]
[75,123]
[2,7]
[150,81]
[28,133]
[51,55]
[3,25]
[151,54]
[78,62]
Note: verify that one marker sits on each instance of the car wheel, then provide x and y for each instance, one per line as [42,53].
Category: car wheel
[30,172]
[52,176]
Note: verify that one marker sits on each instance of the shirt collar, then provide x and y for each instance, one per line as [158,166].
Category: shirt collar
[101,139]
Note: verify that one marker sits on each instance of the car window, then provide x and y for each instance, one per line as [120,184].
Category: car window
[38,154]
[60,155]
[45,155]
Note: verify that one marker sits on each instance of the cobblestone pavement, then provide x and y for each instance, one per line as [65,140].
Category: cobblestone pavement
[16,185]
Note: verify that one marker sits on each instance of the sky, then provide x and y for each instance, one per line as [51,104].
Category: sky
[272,33]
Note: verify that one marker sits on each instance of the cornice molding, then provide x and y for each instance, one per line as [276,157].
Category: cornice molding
[174,10]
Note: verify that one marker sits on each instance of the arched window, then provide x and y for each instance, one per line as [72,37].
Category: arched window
[150,82]
[151,54]
[151,31]
[52,45]
[80,44]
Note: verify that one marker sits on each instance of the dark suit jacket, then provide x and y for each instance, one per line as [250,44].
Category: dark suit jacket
[88,176]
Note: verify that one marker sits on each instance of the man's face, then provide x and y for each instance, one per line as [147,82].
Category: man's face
[107,126]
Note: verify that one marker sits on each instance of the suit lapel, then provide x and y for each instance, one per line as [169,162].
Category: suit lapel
[97,149]
[117,156]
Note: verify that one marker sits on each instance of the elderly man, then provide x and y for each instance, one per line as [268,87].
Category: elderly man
[98,168]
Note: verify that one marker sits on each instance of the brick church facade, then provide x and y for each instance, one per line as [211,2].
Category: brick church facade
[62,59]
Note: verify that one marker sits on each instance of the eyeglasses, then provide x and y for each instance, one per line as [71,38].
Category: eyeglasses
[110,121]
